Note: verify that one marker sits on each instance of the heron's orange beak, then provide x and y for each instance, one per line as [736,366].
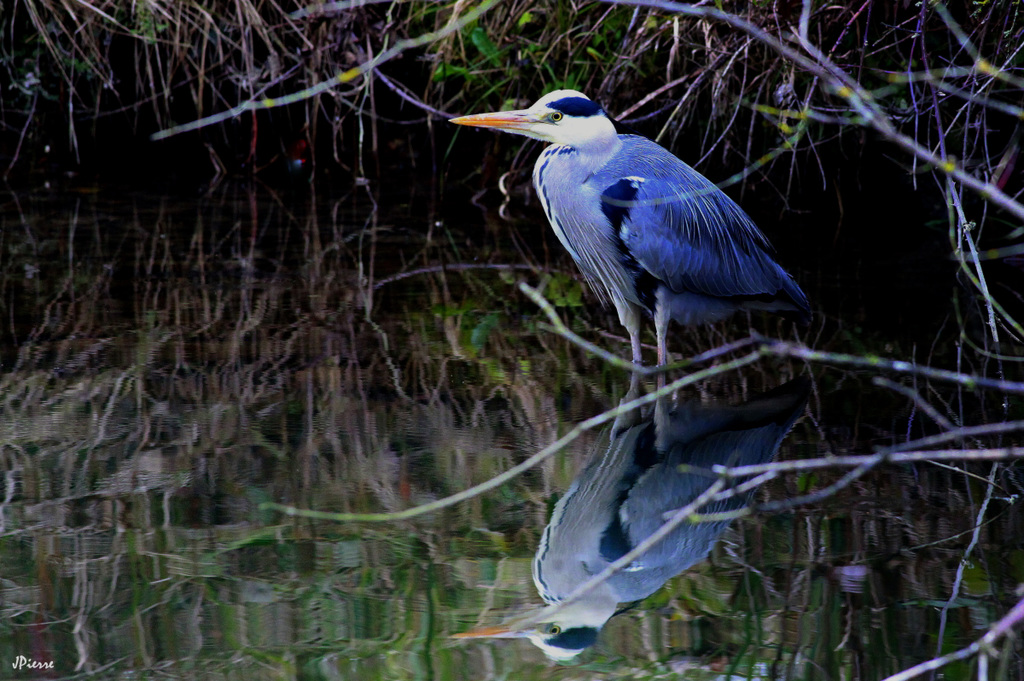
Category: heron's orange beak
[503,120]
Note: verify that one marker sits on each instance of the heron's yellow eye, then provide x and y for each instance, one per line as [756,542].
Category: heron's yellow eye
[555,630]
[555,116]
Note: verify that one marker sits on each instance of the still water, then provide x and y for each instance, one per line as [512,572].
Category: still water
[175,367]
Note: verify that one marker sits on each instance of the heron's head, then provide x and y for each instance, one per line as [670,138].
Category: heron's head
[562,117]
[561,632]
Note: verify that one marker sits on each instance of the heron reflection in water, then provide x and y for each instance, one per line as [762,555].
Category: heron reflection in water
[646,467]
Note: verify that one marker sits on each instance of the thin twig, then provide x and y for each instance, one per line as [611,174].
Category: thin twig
[797,351]
[400,90]
[985,429]
[24,133]
[853,460]
[559,327]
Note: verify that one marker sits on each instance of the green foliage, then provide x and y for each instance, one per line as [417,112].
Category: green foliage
[478,336]
[148,26]
[490,52]
[447,71]
[563,290]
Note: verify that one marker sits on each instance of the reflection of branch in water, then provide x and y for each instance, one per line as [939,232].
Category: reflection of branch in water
[547,452]
[862,463]
[983,648]
[955,591]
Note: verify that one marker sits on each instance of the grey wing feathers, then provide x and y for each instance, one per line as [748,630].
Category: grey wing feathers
[688,234]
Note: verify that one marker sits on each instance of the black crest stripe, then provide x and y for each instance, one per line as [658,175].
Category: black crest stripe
[576,106]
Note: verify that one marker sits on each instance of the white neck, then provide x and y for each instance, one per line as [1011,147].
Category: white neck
[594,140]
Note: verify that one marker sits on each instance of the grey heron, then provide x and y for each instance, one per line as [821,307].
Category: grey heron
[656,236]
[643,468]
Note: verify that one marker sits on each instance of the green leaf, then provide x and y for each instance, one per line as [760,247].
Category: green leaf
[524,19]
[446,311]
[976,581]
[446,71]
[483,330]
[479,38]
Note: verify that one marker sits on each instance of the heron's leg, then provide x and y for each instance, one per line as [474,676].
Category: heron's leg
[629,317]
[661,319]
[634,340]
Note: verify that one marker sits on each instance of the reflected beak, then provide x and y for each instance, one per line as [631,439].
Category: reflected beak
[522,626]
[494,632]
[511,121]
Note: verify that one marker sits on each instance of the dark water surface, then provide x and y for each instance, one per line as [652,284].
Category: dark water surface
[171,365]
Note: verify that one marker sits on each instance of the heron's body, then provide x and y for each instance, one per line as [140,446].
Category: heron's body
[653,234]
